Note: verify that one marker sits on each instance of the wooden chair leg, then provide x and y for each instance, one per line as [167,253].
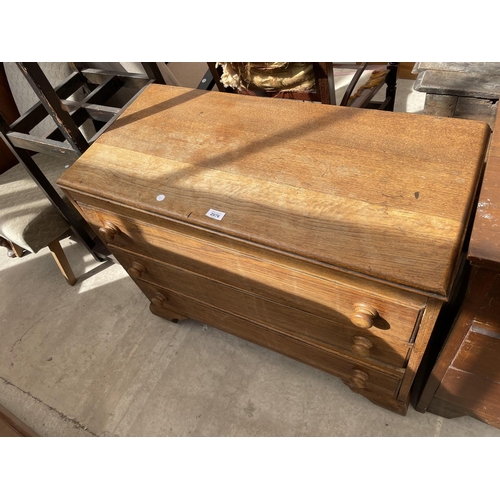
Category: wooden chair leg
[18,251]
[62,261]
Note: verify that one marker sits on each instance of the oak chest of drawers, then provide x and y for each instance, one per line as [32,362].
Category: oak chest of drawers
[331,235]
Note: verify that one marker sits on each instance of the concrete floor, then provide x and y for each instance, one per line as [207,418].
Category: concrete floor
[91,360]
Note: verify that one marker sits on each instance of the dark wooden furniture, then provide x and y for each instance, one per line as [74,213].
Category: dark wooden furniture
[324,90]
[466,377]
[329,234]
[102,97]
[9,112]
[32,208]
[466,90]
[11,426]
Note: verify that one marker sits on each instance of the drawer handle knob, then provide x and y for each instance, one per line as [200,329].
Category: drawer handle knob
[361,346]
[136,270]
[359,378]
[363,316]
[159,299]
[109,231]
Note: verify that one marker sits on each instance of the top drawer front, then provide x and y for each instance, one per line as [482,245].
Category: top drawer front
[323,297]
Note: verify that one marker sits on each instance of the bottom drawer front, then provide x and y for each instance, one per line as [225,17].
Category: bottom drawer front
[270,314]
[360,377]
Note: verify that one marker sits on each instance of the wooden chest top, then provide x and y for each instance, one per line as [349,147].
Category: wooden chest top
[385,195]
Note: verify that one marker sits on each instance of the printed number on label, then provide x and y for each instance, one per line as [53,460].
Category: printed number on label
[215,214]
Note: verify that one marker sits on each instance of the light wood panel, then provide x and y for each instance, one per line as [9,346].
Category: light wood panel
[329,190]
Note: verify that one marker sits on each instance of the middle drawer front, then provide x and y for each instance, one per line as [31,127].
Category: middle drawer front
[269,314]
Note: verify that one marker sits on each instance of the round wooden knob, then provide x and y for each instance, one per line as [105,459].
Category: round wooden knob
[109,230]
[361,346]
[159,299]
[359,378]
[136,270]
[363,316]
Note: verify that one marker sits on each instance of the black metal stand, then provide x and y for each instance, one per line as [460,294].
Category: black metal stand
[66,139]
[78,225]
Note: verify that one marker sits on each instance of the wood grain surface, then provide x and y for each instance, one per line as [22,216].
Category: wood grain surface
[473,395]
[488,316]
[332,297]
[335,331]
[384,194]
[98,211]
[478,354]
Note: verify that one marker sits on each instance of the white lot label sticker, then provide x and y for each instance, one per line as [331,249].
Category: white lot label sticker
[215,214]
